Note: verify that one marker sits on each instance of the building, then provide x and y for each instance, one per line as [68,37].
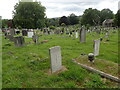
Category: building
[26,0]
[108,23]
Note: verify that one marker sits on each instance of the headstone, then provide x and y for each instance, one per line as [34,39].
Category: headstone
[19,41]
[56,59]
[12,32]
[82,35]
[30,34]
[35,38]
[10,37]
[96,47]
[24,32]
[76,34]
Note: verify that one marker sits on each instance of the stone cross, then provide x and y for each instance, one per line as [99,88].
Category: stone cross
[56,59]
[96,47]
[82,35]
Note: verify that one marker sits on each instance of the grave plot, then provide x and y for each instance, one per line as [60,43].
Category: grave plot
[100,66]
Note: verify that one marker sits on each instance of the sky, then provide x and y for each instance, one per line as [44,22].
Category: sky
[59,8]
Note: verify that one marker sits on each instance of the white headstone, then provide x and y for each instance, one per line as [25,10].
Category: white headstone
[56,59]
[30,34]
[76,33]
[96,47]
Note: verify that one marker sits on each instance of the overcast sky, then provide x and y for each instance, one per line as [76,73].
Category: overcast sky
[58,8]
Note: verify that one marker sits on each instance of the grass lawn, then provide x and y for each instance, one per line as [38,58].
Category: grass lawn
[26,67]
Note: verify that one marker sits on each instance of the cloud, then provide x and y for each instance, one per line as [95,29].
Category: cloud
[58,8]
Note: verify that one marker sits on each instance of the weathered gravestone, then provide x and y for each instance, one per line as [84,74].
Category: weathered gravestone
[24,32]
[56,59]
[96,47]
[12,32]
[30,34]
[35,38]
[10,37]
[82,35]
[19,41]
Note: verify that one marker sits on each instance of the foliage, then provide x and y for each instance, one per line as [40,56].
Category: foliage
[64,20]
[91,17]
[117,18]
[106,14]
[73,19]
[52,27]
[29,15]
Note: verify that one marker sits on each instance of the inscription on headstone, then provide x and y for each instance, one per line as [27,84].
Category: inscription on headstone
[56,59]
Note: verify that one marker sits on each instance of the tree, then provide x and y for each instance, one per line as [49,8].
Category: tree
[117,18]
[64,20]
[91,17]
[106,14]
[73,19]
[29,15]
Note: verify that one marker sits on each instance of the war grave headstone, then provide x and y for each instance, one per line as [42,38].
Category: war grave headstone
[35,39]
[96,47]
[19,41]
[56,59]
[82,35]
[30,34]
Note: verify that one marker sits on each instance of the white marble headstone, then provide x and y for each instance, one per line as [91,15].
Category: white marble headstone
[30,34]
[76,33]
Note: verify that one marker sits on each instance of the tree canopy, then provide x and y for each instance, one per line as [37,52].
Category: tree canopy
[29,15]
[117,18]
[106,14]
[91,17]
[73,19]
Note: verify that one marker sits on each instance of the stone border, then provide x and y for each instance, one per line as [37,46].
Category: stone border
[99,72]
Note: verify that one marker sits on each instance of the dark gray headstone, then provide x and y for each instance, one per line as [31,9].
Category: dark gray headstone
[82,35]
[19,41]
[35,38]
[12,32]
[24,32]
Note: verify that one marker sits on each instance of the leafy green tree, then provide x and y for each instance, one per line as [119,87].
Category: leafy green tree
[29,15]
[106,14]
[91,17]
[117,18]
[73,19]
[5,23]
[64,20]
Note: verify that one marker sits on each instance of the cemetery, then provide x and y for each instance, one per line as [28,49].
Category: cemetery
[28,65]
[64,52]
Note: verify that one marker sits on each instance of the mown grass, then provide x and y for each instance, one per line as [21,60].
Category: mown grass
[27,66]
